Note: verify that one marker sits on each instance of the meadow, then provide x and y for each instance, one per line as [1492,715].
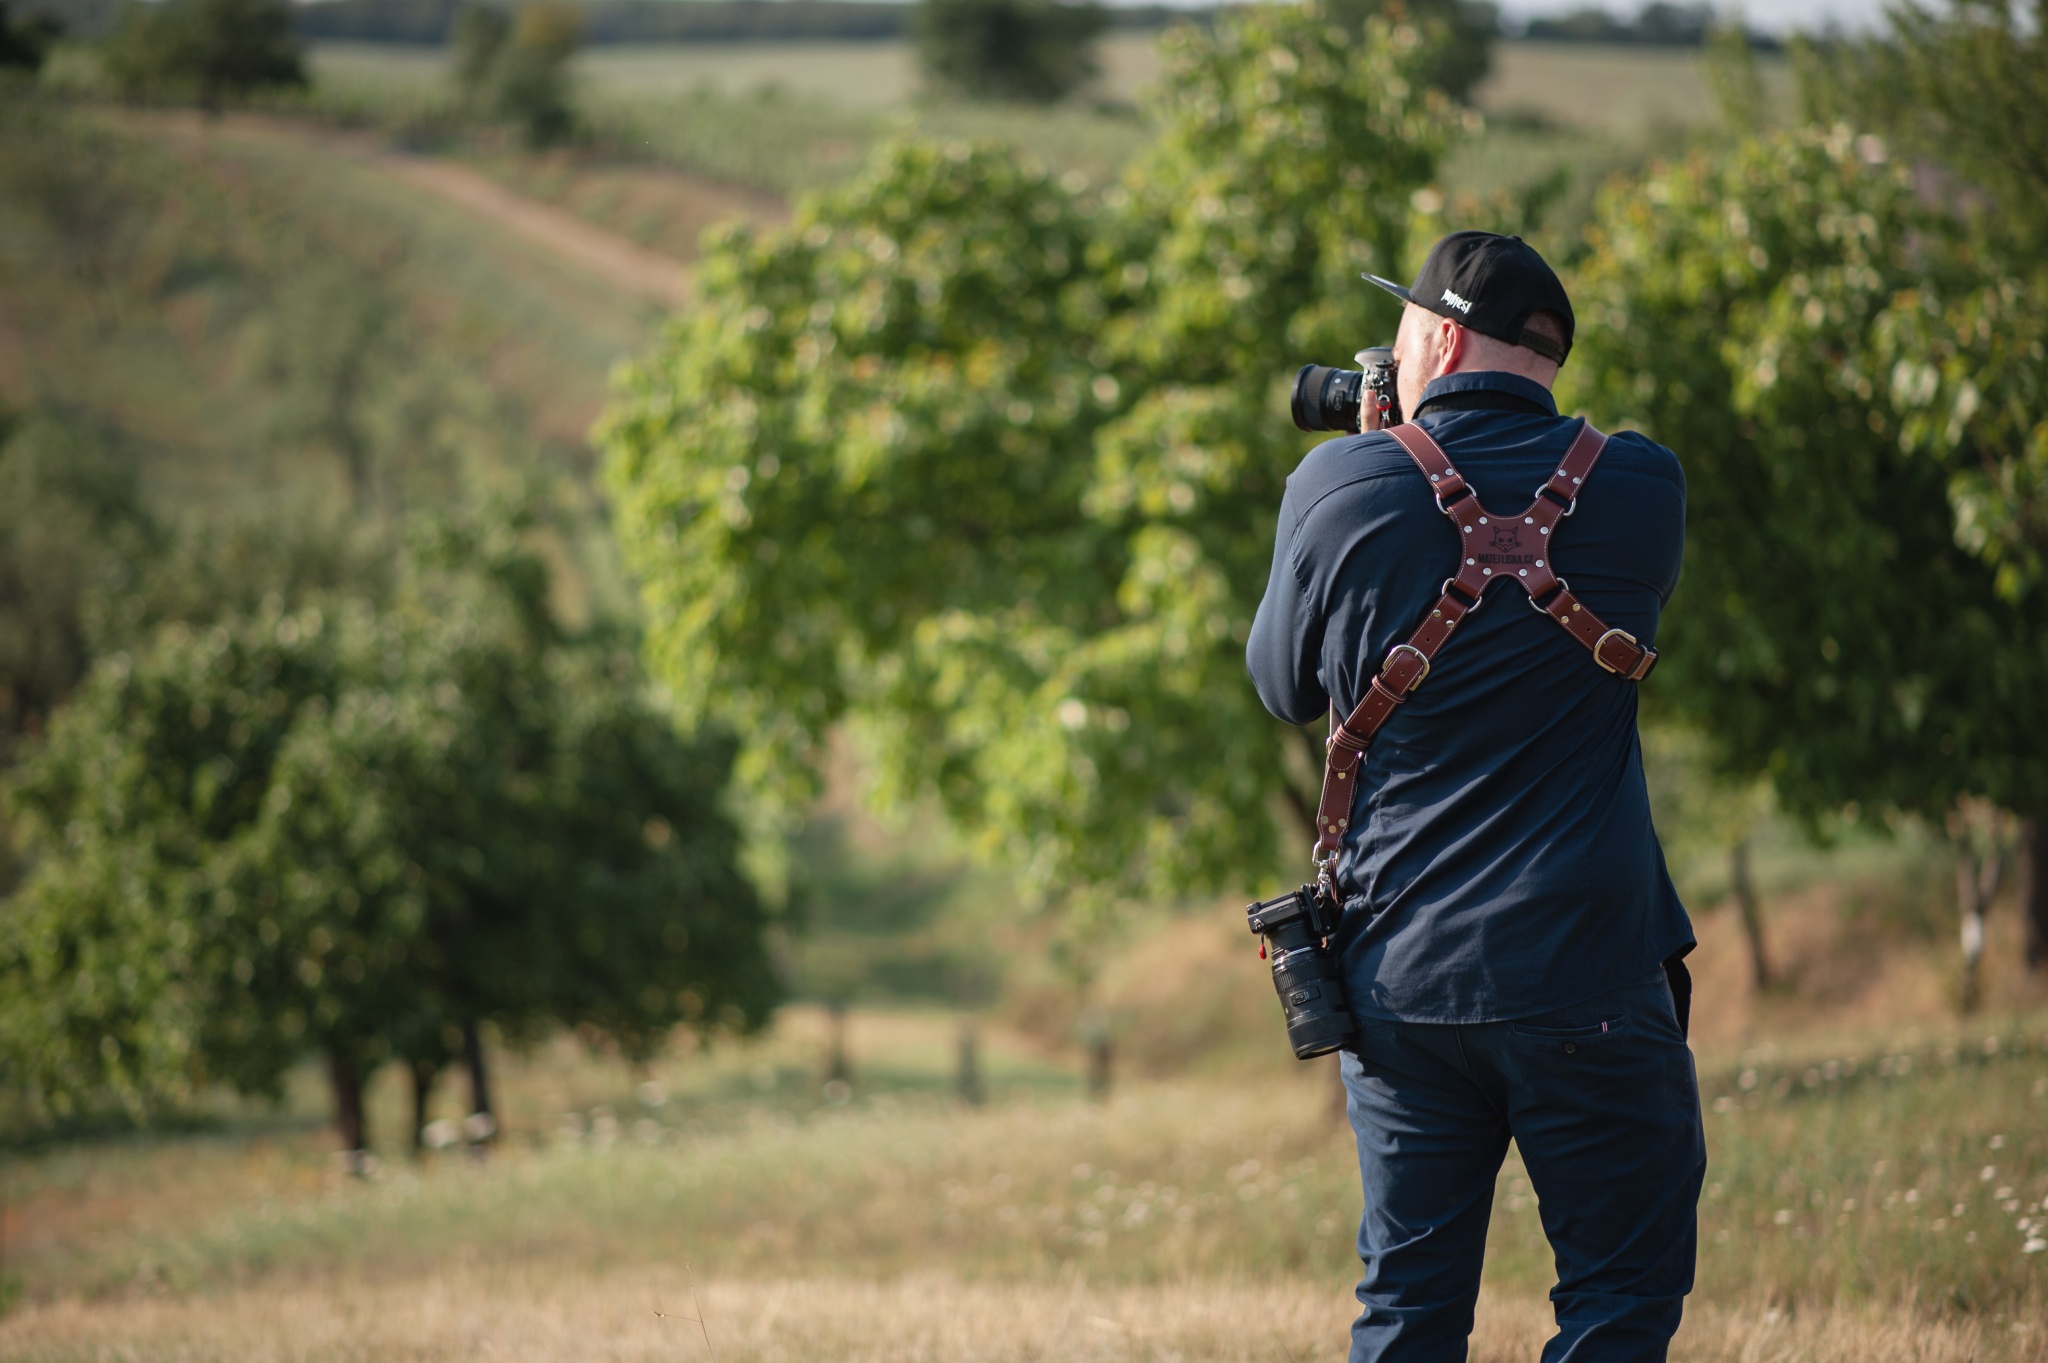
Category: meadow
[1878,1174]
[1879,1170]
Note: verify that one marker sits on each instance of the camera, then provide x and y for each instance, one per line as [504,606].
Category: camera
[1362,399]
[1293,929]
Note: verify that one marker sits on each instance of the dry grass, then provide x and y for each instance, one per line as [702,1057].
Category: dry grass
[544,1314]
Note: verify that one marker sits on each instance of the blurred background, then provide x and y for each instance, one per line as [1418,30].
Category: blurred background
[621,695]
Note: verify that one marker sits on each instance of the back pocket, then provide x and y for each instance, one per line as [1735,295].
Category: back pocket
[1572,1029]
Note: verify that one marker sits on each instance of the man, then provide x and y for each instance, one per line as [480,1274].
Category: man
[1507,917]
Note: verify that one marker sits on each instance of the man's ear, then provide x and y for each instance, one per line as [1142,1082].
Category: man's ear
[1453,345]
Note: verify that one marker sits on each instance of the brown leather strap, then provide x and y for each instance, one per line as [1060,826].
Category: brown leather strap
[1496,548]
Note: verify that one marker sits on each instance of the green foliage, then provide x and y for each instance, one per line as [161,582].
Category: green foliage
[1965,88]
[1029,51]
[210,51]
[1784,312]
[984,463]
[71,526]
[517,68]
[1455,65]
[356,826]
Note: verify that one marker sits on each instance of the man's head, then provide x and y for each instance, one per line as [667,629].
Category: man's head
[1480,302]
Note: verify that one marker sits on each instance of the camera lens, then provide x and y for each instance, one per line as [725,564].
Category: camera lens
[1327,399]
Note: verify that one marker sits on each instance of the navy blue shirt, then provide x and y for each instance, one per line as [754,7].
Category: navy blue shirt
[1500,860]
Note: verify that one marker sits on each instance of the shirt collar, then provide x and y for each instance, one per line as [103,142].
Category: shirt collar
[1489,380]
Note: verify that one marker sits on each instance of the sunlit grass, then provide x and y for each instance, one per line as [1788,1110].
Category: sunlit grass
[1867,1183]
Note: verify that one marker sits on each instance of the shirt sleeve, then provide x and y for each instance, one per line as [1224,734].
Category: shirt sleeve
[1285,650]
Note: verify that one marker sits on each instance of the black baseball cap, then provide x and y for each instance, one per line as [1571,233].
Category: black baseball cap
[1491,284]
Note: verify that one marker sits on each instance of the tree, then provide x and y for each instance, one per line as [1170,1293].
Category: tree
[1454,65]
[1961,90]
[1027,51]
[1853,369]
[984,465]
[1785,312]
[367,829]
[209,51]
[517,69]
[25,42]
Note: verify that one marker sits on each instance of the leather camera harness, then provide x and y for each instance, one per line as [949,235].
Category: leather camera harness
[1495,548]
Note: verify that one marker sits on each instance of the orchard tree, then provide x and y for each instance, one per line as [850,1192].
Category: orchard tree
[984,464]
[368,830]
[1794,318]
[132,968]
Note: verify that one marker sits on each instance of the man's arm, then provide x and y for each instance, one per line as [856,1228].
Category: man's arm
[1284,653]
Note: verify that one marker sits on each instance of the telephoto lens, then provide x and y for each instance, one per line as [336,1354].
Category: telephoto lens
[1327,399]
[1311,994]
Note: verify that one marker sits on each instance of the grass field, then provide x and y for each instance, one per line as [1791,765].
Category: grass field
[1876,1191]
[1879,1171]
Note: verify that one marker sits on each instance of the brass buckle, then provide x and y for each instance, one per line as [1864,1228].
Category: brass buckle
[1420,657]
[1601,643]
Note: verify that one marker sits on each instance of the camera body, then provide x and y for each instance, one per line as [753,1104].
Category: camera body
[1362,399]
[1294,928]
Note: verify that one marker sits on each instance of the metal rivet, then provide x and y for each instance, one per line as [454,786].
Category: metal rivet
[1577,481]
[1487,571]
[1525,572]
[1546,529]
[1539,563]
[1570,1048]
[1434,479]
[1437,615]
[1562,474]
[1468,529]
[1528,520]
[1471,561]
[1343,823]
[1482,520]
[1575,605]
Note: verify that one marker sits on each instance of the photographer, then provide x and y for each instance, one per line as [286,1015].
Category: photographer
[1504,927]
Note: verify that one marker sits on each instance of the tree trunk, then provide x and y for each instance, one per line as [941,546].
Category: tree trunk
[2034,891]
[424,1072]
[1744,888]
[1977,882]
[969,1077]
[482,1123]
[838,1069]
[348,1111]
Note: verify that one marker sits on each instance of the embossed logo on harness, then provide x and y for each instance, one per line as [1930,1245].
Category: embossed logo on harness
[1508,548]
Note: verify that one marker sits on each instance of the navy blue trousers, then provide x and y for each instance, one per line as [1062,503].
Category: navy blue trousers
[1602,1101]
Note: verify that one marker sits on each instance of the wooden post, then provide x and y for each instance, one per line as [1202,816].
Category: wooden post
[1744,888]
[968,1080]
[838,1065]
[1099,1058]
